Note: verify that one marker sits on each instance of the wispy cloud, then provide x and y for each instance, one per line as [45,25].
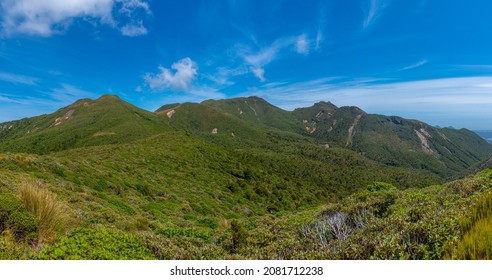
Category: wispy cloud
[302,44]
[16,106]
[223,75]
[6,99]
[259,73]
[258,59]
[134,29]
[415,65]
[45,18]
[185,72]
[67,93]
[319,40]
[373,12]
[17,79]
[321,27]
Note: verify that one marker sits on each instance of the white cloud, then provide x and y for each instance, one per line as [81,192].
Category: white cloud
[48,17]
[302,44]
[374,12]
[264,56]
[319,40]
[132,30]
[259,73]
[129,7]
[257,60]
[17,79]
[415,65]
[185,72]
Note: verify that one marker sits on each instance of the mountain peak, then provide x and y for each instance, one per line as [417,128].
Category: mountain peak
[109,97]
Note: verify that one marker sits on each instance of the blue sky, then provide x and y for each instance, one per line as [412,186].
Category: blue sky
[427,60]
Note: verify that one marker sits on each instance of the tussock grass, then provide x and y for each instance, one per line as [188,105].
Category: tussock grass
[476,243]
[51,214]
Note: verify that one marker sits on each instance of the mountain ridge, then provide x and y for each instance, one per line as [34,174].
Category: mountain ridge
[252,122]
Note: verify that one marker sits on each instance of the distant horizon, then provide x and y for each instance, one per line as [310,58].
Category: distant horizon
[424,60]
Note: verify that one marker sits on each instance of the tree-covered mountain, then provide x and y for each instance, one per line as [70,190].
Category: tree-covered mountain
[394,140]
[391,140]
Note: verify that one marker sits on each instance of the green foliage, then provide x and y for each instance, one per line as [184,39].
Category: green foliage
[96,244]
[182,248]
[184,232]
[15,218]
[239,235]
[379,186]
[22,224]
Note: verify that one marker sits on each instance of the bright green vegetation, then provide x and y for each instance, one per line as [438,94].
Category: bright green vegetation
[235,179]
[96,244]
[15,218]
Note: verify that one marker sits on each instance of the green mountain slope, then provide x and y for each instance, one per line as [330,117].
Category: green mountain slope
[85,123]
[395,141]
[257,111]
[209,124]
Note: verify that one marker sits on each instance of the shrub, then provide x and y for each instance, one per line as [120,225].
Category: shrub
[379,186]
[97,244]
[16,218]
[181,248]
[239,236]
[22,224]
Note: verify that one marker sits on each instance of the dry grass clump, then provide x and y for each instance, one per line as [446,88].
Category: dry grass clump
[52,215]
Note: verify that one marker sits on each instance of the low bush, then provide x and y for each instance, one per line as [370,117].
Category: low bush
[15,217]
[97,244]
